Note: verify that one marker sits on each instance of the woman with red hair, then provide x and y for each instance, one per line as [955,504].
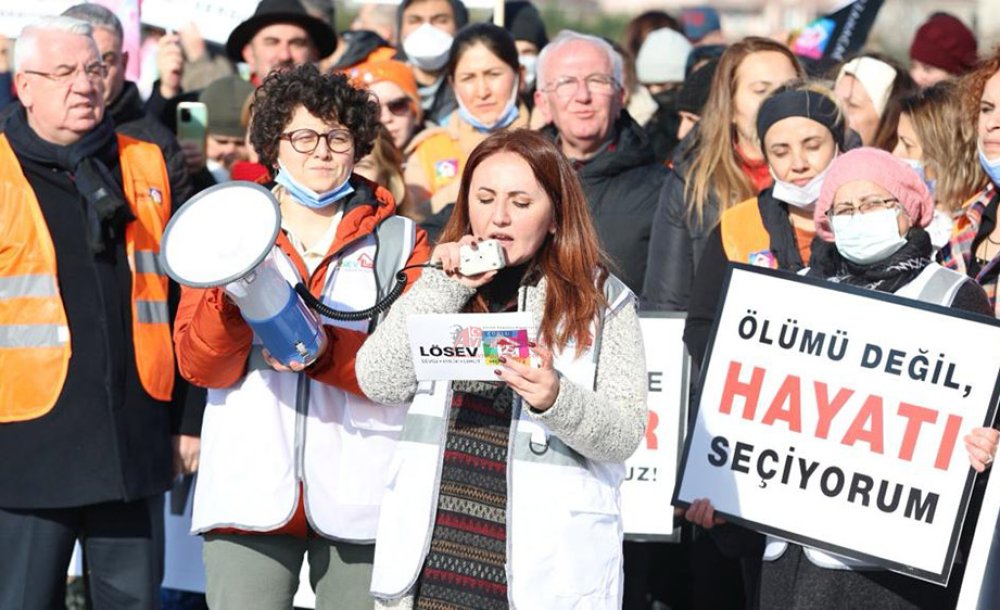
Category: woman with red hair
[506,493]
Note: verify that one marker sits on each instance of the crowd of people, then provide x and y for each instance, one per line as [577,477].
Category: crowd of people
[617,177]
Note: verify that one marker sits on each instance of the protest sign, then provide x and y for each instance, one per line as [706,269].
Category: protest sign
[833,417]
[468,345]
[215,19]
[651,472]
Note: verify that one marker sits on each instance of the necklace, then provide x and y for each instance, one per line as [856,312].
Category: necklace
[984,253]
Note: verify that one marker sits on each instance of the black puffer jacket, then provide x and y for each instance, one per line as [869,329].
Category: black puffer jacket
[131,119]
[622,185]
[677,239]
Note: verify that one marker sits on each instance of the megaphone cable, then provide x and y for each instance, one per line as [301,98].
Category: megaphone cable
[365,314]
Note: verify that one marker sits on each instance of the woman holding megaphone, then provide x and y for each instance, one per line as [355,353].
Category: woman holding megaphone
[293,456]
[505,493]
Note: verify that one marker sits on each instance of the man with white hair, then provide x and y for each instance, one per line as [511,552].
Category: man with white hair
[86,359]
[581,98]
[122,100]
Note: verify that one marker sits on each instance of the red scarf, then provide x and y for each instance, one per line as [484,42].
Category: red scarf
[756,170]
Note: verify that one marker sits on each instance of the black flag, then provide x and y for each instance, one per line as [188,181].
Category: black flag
[832,38]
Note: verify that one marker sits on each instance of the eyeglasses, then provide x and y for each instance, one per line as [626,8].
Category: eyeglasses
[306,141]
[400,106]
[847,209]
[597,84]
[95,72]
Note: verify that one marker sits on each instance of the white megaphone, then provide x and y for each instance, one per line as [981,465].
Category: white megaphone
[224,236]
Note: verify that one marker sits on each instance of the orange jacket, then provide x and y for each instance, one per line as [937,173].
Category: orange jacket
[213,341]
[35,346]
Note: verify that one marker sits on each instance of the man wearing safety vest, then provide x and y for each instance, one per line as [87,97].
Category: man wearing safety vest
[86,362]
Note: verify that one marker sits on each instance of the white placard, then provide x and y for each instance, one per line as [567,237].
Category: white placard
[467,345]
[833,417]
[981,581]
[14,15]
[651,472]
[215,19]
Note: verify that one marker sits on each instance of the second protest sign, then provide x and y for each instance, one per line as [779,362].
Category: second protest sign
[833,417]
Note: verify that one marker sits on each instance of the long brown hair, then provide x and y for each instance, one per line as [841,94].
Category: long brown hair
[715,166]
[571,258]
[948,142]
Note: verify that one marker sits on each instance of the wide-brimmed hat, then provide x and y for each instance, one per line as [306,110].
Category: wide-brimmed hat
[269,12]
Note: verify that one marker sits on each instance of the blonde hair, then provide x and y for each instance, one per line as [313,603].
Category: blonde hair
[715,166]
[948,142]
[389,165]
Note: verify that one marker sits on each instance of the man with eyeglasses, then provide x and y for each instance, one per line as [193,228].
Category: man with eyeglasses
[122,99]
[86,357]
[581,98]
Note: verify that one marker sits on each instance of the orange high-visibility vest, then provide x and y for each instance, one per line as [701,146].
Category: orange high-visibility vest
[744,238]
[34,333]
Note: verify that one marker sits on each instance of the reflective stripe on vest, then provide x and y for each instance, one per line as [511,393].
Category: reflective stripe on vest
[941,286]
[147,188]
[35,345]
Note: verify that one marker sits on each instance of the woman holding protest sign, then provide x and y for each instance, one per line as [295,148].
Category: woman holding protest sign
[802,130]
[870,220]
[505,493]
[975,246]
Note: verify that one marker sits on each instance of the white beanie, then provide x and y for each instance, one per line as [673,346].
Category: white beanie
[877,77]
[662,57]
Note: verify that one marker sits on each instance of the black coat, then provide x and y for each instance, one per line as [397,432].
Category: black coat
[622,184]
[677,239]
[105,439]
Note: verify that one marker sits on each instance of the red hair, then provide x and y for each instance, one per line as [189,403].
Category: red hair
[570,259]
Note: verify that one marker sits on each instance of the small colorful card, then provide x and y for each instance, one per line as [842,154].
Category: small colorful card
[468,346]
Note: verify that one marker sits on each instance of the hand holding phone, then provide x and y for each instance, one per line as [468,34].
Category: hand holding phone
[192,132]
[486,256]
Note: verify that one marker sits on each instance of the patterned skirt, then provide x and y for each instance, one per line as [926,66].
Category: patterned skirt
[466,564]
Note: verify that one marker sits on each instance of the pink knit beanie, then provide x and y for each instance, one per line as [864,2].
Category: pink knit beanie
[885,170]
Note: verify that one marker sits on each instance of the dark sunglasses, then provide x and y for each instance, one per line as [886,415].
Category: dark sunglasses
[399,106]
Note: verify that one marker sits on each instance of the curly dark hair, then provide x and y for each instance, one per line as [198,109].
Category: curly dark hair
[329,97]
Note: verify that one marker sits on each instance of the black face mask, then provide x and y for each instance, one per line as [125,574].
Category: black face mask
[667,99]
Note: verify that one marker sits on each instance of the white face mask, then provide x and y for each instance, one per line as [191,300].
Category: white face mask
[529,63]
[427,47]
[868,238]
[804,197]
[940,229]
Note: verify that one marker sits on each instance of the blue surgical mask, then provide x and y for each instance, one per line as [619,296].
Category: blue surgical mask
[867,238]
[992,168]
[918,166]
[308,197]
[508,116]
